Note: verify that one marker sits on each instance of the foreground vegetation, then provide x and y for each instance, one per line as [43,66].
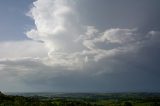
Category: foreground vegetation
[84,99]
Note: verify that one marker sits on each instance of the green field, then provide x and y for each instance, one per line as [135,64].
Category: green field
[82,99]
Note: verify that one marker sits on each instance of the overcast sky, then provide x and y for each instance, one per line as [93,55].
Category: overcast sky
[80,45]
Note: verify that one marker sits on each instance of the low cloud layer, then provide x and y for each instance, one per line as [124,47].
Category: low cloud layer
[20,49]
[65,55]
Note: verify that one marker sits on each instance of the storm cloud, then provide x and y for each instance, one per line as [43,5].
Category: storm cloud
[63,54]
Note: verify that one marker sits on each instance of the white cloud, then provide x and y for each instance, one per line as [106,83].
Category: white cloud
[118,35]
[18,49]
[56,25]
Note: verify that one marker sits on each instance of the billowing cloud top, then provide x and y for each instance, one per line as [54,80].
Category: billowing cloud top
[65,55]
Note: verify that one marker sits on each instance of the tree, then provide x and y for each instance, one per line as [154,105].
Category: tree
[128,104]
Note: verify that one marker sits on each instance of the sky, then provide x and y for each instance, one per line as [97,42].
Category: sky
[79,45]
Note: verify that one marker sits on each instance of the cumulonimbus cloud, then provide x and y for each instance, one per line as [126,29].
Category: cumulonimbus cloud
[79,56]
[70,42]
[56,25]
[77,47]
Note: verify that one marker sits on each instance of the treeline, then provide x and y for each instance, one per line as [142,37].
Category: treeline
[35,101]
[6,100]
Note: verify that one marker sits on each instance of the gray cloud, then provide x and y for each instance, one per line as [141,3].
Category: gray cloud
[136,63]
